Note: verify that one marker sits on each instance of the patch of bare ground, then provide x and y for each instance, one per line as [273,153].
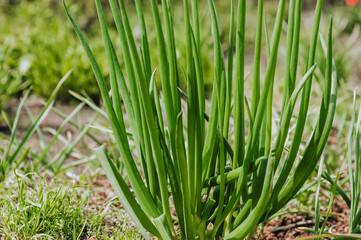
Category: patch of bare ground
[294,226]
[50,124]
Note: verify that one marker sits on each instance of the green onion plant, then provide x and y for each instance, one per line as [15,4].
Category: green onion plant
[193,182]
[354,171]
[18,150]
[352,196]
[14,148]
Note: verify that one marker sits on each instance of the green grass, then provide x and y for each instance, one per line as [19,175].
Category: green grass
[47,41]
[34,207]
[12,71]
[45,197]
[354,171]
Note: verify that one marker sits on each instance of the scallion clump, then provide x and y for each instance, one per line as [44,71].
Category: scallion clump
[217,189]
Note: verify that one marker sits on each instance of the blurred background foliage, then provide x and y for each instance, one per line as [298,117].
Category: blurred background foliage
[38,45]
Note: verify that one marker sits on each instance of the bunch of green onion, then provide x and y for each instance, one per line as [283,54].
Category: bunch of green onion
[192,183]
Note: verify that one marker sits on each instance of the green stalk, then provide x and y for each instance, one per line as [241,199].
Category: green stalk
[241,231]
[195,15]
[290,32]
[188,220]
[302,115]
[146,106]
[164,67]
[191,107]
[317,199]
[239,141]
[229,84]
[231,175]
[295,46]
[258,120]
[146,53]
[37,122]
[109,53]
[125,196]
[172,58]
[119,131]
[15,124]
[60,129]
[257,61]
[219,82]
[137,126]
[318,139]
[199,120]
[355,212]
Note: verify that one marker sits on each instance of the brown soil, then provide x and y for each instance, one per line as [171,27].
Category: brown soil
[52,121]
[293,226]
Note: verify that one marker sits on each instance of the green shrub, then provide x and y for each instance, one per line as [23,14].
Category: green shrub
[12,71]
[48,46]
